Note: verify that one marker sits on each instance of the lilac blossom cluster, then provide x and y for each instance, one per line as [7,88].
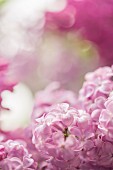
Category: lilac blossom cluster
[14,155]
[66,132]
[78,134]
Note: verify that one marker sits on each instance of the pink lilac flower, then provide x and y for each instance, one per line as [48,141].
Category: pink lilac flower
[22,136]
[72,135]
[95,90]
[61,134]
[14,155]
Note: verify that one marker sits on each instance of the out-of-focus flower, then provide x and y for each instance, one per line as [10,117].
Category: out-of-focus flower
[33,46]
[63,19]
[18,102]
[23,32]
[14,155]
[7,81]
[64,58]
[20,35]
[93,19]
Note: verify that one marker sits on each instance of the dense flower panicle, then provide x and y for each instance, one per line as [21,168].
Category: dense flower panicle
[70,138]
[53,94]
[96,89]
[14,155]
[61,134]
[65,132]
